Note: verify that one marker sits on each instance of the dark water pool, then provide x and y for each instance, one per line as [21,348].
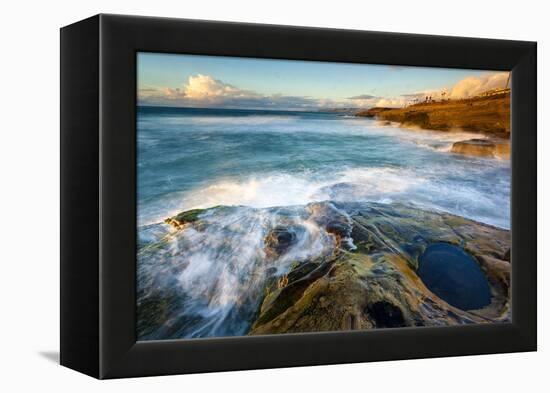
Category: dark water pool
[454,276]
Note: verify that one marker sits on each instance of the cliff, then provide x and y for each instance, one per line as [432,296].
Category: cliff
[488,115]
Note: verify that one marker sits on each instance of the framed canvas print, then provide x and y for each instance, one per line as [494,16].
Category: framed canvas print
[238,196]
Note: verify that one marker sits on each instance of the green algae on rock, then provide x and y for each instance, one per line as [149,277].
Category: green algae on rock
[365,276]
[183,218]
[376,285]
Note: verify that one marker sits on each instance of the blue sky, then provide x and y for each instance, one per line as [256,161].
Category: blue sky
[218,81]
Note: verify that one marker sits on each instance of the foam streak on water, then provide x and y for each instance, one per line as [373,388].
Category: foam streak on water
[263,168]
[218,273]
[262,159]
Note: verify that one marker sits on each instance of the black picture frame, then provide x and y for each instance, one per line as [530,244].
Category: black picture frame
[98,195]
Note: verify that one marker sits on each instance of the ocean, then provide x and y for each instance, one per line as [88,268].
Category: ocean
[267,166]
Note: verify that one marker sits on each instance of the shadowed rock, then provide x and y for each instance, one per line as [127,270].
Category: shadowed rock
[281,238]
[483,148]
[377,285]
[484,114]
[373,274]
[385,315]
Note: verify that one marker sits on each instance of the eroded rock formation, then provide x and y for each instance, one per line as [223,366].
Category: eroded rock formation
[483,147]
[372,281]
[372,271]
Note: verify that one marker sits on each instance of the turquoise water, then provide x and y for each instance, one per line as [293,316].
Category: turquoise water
[189,158]
[267,166]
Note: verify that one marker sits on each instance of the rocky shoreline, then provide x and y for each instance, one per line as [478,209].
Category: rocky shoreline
[377,275]
[375,283]
[489,116]
[486,147]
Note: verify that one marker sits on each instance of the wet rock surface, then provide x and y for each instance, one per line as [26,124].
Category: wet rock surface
[490,147]
[380,283]
[377,266]
[184,218]
[281,238]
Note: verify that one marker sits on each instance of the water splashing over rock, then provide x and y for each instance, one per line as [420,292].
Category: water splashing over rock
[324,266]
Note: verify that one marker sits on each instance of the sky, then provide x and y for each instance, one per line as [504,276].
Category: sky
[249,83]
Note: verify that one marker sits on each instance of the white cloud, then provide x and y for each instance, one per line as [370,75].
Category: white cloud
[391,102]
[206,91]
[204,87]
[406,99]
[362,97]
[471,86]
[467,87]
